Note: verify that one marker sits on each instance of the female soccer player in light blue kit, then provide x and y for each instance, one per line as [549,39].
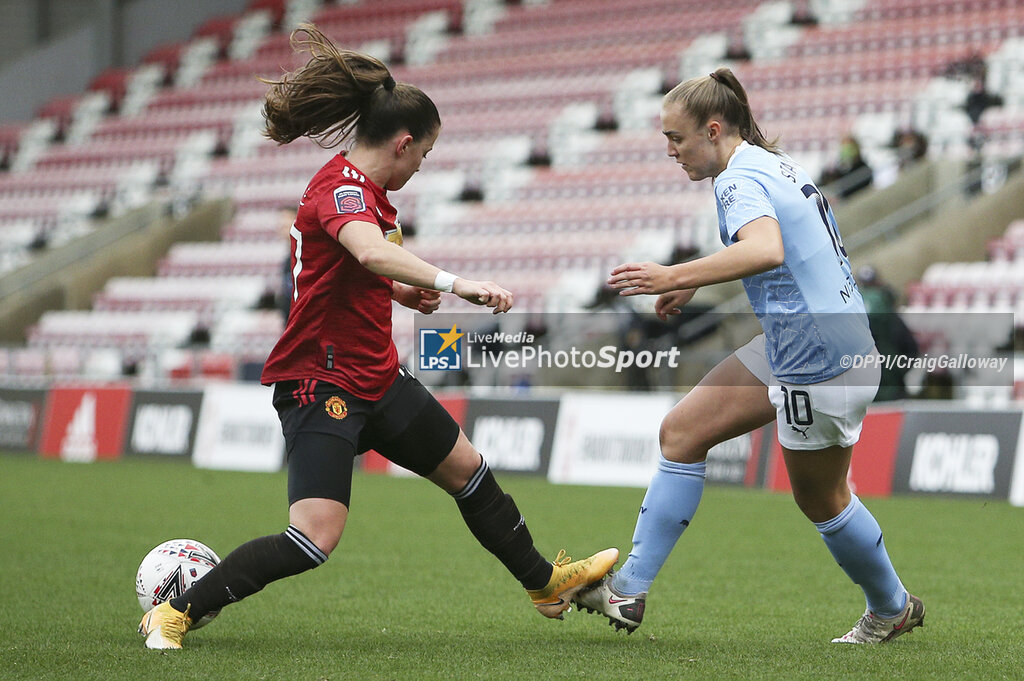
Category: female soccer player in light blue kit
[782,242]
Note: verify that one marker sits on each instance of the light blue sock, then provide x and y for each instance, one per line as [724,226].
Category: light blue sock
[855,540]
[667,510]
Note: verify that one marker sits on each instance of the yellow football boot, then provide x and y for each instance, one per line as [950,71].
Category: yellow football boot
[569,577]
[164,627]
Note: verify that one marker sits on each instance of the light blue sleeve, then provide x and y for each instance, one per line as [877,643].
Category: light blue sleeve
[741,201]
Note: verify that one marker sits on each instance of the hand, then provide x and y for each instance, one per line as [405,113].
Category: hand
[483,293]
[671,302]
[423,300]
[635,278]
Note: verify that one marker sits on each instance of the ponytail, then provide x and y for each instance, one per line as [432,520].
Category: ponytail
[340,92]
[721,94]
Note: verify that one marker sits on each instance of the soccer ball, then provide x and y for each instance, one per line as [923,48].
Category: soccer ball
[170,569]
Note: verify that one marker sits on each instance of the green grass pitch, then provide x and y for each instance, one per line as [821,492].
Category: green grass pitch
[750,592]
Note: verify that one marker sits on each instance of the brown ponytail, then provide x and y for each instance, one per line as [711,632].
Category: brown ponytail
[340,92]
[721,94]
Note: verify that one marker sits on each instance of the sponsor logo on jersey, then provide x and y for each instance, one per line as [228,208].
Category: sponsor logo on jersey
[728,197]
[349,199]
[441,349]
[336,408]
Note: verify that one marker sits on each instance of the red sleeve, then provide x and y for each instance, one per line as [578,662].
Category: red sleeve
[346,203]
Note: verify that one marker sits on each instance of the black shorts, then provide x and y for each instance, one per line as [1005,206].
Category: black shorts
[407,425]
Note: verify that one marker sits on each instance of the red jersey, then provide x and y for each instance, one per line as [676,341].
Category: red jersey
[339,326]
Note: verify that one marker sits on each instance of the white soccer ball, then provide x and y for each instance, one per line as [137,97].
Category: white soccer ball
[170,569]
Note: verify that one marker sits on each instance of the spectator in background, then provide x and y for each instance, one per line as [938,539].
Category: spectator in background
[850,173]
[972,66]
[910,145]
[974,69]
[978,100]
[892,337]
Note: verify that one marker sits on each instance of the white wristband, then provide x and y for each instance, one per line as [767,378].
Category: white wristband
[444,281]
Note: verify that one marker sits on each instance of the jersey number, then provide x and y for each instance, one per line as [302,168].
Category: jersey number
[810,190]
[798,407]
[298,261]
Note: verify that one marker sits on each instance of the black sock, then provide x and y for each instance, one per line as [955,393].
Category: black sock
[497,524]
[248,569]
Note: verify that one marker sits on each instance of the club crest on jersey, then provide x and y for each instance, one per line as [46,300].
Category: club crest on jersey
[349,199]
[336,408]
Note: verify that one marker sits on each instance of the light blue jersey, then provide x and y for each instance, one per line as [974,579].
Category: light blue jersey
[809,307]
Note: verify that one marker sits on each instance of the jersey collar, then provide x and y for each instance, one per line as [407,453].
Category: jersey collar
[376,188]
[735,152]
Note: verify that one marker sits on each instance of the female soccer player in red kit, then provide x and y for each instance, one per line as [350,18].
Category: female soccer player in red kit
[338,386]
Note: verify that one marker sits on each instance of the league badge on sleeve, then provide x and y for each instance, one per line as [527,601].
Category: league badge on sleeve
[349,199]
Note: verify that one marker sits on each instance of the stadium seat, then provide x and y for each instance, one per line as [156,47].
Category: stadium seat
[528,86]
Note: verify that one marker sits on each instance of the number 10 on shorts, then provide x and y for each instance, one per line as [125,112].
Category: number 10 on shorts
[798,407]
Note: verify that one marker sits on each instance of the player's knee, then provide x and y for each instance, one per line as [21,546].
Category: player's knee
[819,505]
[806,503]
[458,468]
[322,524]
[326,540]
[680,441]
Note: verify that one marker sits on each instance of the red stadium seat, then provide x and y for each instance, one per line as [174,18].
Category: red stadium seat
[499,95]
[221,28]
[275,7]
[112,81]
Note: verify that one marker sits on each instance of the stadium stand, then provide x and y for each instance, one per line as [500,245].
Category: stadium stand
[550,113]
[992,286]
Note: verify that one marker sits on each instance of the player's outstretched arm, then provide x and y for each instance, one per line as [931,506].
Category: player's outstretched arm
[758,248]
[365,241]
[485,293]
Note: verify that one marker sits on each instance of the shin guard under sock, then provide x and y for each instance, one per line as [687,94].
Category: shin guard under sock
[668,507]
[497,524]
[855,541]
[248,569]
